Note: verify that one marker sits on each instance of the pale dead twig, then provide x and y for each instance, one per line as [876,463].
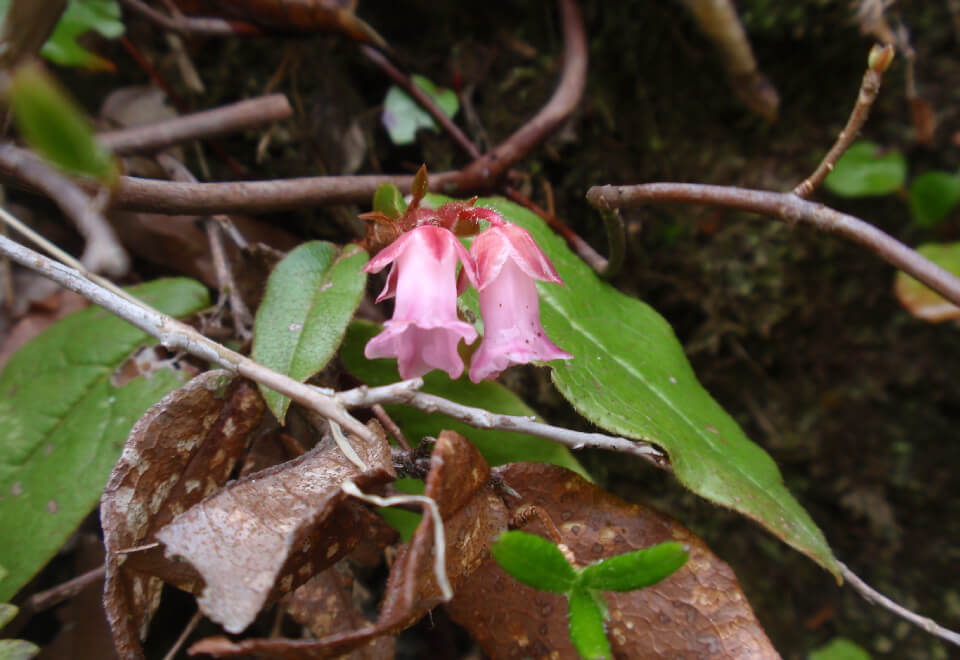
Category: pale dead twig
[175,335]
[878,598]
[407,393]
[439,542]
[103,252]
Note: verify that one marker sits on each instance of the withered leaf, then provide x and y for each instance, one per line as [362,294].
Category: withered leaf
[473,516]
[699,611]
[327,604]
[180,451]
[270,531]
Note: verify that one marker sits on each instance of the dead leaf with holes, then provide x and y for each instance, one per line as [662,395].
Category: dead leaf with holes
[180,451]
[699,611]
[270,531]
[473,517]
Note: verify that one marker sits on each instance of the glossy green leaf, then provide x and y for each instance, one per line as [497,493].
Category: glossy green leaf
[635,570]
[402,117]
[919,299]
[586,626]
[630,376]
[56,128]
[535,561]
[311,297]
[388,200]
[80,17]
[497,447]
[64,419]
[865,170]
[17,649]
[840,649]
[402,520]
[932,196]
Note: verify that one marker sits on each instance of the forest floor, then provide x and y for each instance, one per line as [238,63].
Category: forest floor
[797,334]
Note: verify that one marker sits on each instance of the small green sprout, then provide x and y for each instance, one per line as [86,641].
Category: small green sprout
[537,562]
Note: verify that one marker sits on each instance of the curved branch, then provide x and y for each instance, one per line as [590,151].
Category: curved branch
[484,171]
[792,209]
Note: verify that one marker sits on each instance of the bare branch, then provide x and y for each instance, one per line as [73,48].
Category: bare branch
[878,61]
[103,252]
[483,171]
[178,336]
[208,123]
[878,598]
[44,600]
[407,393]
[792,209]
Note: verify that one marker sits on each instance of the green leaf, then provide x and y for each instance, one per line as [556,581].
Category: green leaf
[17,649]
[63,422]
[919,299]
[932,196]
[864,171]
[586,625]
[840,649]
[535,561]
[497,447]
[55,128]
[311,296]
[402,117]
[635,570]
[7,611]
[405,522]
[630,376]
[388,200]
[80,17]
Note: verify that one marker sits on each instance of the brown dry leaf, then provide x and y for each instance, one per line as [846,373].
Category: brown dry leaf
[331,603]
[180,451]
[698,612]
[270,531]
[473,517]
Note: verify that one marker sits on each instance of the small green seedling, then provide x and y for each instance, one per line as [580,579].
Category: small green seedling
[537,562]
[403,117]
[866,170]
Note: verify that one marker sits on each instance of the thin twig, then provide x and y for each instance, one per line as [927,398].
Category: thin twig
[208,123]
[10,220]
[189,25]
[422,99]
[44,600]
[792,209]
[878,61]
[439,542]
[175,335]
[103,252]
[187,631]
[407,393]
[391,426]
[242,318]
[878,598]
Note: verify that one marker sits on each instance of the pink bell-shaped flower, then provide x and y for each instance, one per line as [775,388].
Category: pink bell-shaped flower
[424,331]
[509,262]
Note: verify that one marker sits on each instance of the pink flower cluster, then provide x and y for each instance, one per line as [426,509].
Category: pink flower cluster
[503,264]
